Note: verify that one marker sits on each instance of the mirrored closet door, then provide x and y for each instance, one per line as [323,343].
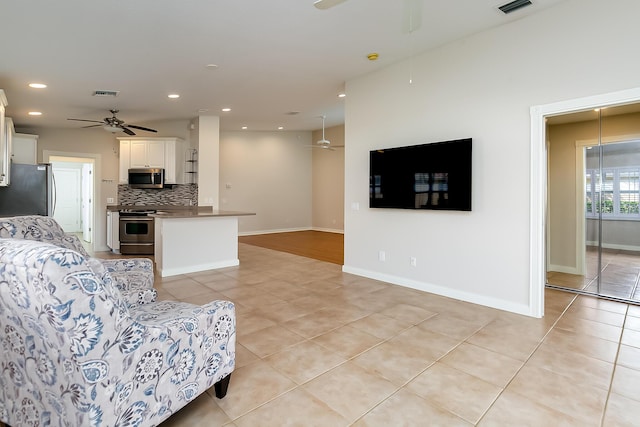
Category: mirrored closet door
[593,199]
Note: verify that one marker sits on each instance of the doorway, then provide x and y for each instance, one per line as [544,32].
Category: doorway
[75,194]
[593,202]
[539,178]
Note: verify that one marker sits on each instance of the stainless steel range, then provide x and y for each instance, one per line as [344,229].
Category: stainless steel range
[136,232]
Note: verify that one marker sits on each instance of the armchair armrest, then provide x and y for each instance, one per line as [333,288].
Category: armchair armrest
[131,273]
[204,336]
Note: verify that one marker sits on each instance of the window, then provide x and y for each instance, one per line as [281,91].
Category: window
[618,191]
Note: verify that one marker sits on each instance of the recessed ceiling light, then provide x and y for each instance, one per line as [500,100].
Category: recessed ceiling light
[244,128]
[342,95]
[212,66]
[226,109]
[37,85]
[202,110]
[280,127]
[173,96]
[35,113]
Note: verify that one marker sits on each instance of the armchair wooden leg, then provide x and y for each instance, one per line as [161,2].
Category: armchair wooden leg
[222,386]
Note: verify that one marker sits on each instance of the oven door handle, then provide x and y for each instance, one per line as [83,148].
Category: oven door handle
[135,218]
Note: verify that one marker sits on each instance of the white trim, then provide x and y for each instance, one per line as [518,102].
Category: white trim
[441,290]
[537,276]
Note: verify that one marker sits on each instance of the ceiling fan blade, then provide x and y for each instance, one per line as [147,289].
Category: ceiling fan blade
[83,120]
[91,126]
[127,131]
[142,128]
[326,4]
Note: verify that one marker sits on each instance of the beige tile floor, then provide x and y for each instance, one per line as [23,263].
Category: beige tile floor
[318,347]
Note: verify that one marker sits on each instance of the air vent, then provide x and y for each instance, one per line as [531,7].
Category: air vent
[106,92]
[514,5]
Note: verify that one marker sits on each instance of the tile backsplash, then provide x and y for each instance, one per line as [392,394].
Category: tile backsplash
[179,195]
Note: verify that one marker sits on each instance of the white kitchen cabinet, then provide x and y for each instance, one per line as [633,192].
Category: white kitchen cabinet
[5,149]
[113,231]
[174,161]
[166,153]
[25,148]
[125,155]
[147,154]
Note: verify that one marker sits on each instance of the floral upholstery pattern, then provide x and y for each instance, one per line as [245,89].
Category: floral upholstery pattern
[133,276]
[74,353]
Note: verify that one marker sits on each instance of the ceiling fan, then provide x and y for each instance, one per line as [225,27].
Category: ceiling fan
[324,144]
[114,124]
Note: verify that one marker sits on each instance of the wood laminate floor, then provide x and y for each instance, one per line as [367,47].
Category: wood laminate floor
[318,245]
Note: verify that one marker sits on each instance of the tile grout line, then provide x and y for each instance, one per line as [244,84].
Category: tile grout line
[527,361]
[615,365]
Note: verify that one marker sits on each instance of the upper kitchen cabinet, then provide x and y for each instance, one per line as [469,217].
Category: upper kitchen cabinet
[163,153]
[25,148]
[5,148]
[147,154]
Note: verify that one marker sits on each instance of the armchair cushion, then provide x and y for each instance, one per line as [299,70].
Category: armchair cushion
[75,353]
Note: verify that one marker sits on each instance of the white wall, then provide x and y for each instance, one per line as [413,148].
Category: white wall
[481,87]
[328,182]
[208,161]
[268,173]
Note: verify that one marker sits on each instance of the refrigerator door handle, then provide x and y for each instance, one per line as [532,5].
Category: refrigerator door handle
[55,194]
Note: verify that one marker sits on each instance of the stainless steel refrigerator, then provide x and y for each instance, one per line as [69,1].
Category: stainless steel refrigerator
[31,192]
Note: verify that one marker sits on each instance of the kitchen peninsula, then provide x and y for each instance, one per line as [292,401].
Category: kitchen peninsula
[195,239]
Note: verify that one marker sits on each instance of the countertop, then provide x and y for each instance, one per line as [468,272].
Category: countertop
[197,212]
[179,211]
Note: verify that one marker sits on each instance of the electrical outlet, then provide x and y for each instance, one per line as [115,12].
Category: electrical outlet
[413,261]
[382,256]
[110,200]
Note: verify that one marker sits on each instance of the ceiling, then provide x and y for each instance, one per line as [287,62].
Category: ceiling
[273,62]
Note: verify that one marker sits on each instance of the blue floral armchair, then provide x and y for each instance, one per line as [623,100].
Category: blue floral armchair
[133,276]
[74,353]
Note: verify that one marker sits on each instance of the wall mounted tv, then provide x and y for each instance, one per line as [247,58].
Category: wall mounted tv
[427,176]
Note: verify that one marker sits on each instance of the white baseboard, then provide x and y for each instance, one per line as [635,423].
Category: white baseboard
[289,230]
[328,230]
[563,269]
[616,246]
[280,230]
[443,291]
[196,268]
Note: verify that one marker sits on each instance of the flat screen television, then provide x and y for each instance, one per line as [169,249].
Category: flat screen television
[427,176]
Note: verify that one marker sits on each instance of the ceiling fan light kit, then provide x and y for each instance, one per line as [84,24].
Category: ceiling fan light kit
[326,4]
[112,129]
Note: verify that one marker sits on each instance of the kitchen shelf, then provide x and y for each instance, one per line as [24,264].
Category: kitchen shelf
[191,169]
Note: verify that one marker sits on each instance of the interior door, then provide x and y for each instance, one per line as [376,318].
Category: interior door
[68,204]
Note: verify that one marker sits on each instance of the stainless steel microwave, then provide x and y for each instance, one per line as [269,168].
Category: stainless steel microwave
[146,178]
